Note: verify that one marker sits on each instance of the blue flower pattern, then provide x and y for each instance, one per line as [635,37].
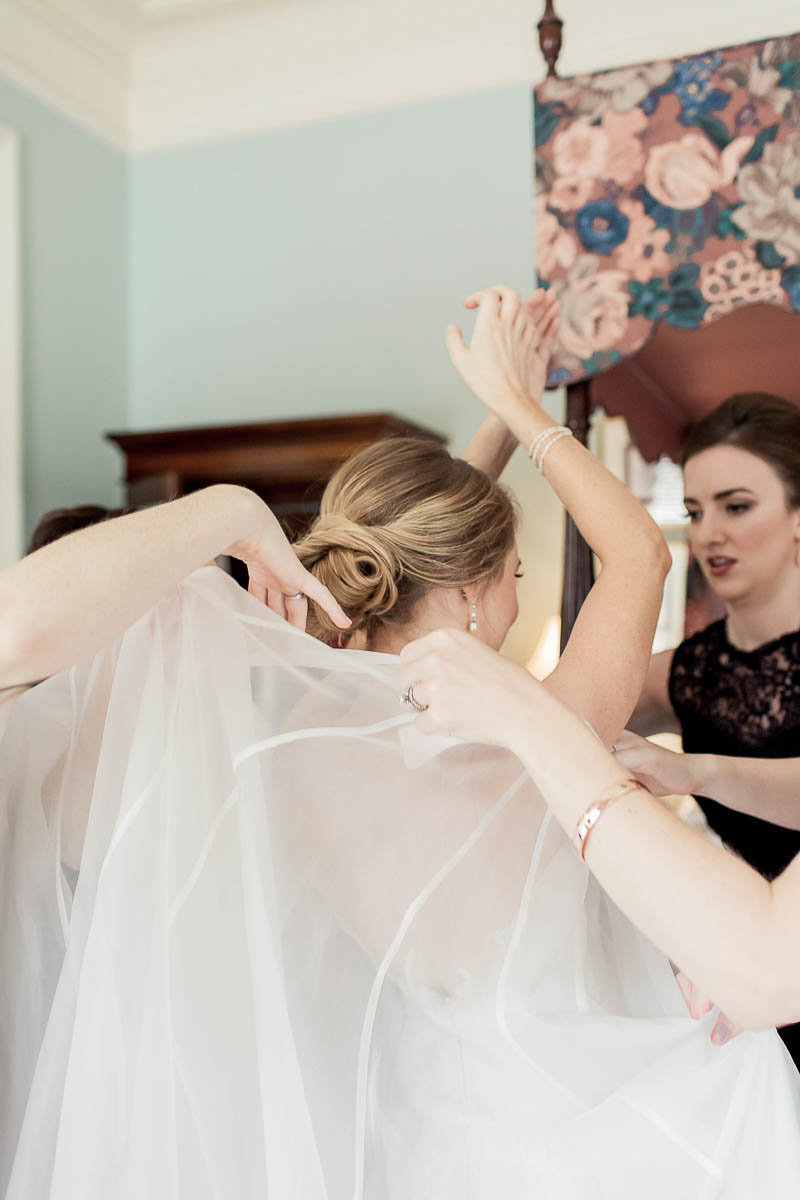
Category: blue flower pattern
[692,83]
[601,226]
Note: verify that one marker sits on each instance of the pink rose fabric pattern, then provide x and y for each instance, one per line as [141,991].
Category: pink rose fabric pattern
[667,192]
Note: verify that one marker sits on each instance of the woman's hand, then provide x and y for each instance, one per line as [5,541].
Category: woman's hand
[277,577]
[470,691]
[699,1004]
[663,772]
[505,364]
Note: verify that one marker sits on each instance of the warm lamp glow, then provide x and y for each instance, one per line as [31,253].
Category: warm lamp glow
[546,654]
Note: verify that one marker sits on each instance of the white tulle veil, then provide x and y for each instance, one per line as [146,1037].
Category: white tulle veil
[260,938]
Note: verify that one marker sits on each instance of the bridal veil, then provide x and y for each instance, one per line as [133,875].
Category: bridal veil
[260,938]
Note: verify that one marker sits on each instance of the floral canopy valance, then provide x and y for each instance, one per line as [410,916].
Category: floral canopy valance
[667,192]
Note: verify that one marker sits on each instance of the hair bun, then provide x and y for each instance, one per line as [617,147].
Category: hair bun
[399,520]
[356,562]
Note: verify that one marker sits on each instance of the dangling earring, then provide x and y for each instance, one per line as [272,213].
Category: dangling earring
[473,613]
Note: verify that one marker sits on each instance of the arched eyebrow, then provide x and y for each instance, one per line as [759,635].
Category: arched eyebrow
[721,495]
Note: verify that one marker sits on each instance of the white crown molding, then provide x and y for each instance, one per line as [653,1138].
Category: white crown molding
[74,56]
[286,63]
[153,74]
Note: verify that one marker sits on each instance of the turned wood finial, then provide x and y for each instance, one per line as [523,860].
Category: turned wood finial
[550,36]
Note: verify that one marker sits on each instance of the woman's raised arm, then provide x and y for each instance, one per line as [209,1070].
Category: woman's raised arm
[74,596]
[602,670]
[490,447]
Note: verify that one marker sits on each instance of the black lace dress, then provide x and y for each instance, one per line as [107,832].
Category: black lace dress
[746,703]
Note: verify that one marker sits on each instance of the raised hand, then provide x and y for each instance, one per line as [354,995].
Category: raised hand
[278,578]
[542,308]
[505,364]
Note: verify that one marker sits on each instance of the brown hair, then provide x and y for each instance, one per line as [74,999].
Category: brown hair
[765,425]
[397,519]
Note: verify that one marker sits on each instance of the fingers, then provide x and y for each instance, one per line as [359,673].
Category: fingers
[633,751]
[276,601]
[257,590]
[697,1003]
[317,592]
[456,347]
[296,611]
[686,988]
[724,1030]
[628,740]
[700,1005]
[293,607]
[499,296]
[541,308]
[489,297]
[536,302]
[548,337]
[510,304]
[426,719]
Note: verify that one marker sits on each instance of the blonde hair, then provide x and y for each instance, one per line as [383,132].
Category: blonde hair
[398,519]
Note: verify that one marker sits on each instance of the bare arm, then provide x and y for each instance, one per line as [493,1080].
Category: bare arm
[76,595]
[605,661]
[603,667]
[654,712]
[762,787]
[491,447]
[662,874]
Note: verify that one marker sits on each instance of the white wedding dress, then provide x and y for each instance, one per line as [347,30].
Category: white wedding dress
[314,955]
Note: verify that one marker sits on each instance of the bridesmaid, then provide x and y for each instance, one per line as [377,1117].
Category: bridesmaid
[734,688]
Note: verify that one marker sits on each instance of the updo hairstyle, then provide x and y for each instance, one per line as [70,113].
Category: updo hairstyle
[760,423]
[397,519]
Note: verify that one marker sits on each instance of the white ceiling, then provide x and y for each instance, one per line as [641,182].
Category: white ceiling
[149,74]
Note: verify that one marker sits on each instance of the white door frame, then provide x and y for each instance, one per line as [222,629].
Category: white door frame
[10,354]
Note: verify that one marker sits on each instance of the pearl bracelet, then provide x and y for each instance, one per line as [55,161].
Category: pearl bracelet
[595,811]
[534,446]
[547,438]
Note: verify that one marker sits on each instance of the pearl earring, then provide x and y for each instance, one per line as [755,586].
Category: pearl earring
[473,613]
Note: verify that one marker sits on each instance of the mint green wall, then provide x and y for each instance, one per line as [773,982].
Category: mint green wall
[73,207]
[304,271]
[313,270]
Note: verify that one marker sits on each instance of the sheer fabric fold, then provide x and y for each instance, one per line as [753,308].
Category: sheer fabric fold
[260,938]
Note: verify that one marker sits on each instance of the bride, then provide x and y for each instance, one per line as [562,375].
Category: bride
[260,937]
